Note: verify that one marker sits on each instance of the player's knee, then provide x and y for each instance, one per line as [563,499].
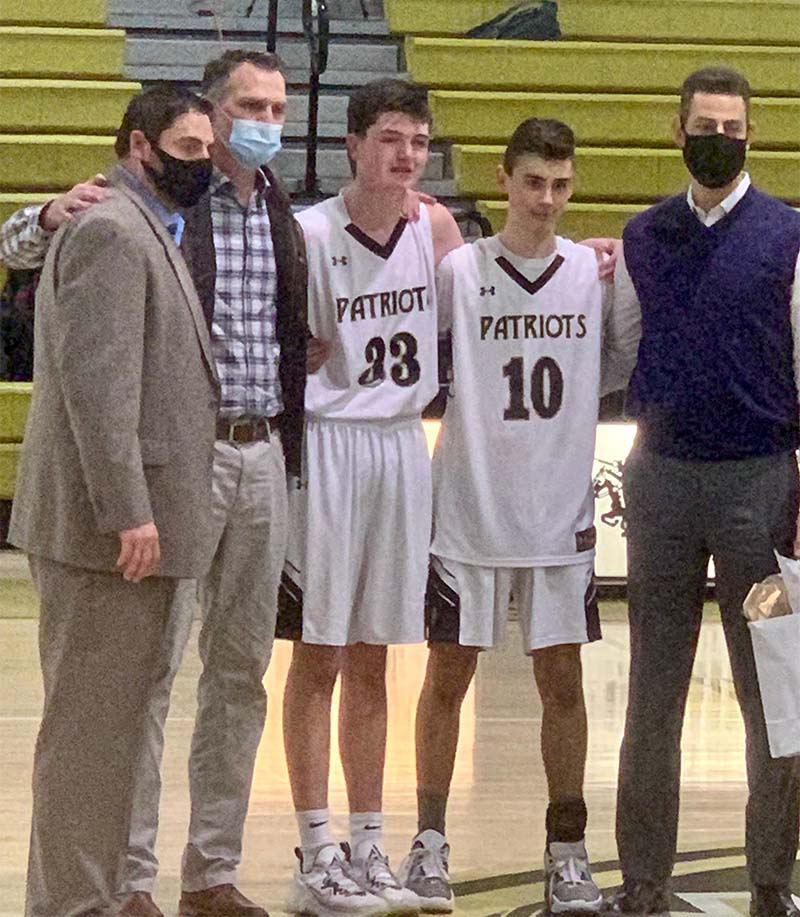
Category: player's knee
[371,681]
[316,670]
[559,678]
[450,671]
[364,668]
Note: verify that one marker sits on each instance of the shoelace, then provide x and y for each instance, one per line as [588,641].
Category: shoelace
[379,873]
[424,855]
[336,875]
[570,871]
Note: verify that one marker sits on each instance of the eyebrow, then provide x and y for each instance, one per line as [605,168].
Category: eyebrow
[390,131]
[704,119]
[253,100]
[537,177]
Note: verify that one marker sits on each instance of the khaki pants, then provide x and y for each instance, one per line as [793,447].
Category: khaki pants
[99,639]
[239,603]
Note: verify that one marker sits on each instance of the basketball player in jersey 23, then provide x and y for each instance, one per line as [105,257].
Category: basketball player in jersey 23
[536,337]
[358,555]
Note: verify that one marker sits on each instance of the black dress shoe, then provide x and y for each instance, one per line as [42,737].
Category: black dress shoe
[772,901]
[639,898]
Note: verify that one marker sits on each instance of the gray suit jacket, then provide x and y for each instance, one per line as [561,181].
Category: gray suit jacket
[122,422]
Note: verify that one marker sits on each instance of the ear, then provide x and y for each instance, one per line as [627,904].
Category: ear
[140,146]
[502,178]
[221,122]
[751,132]
[678,132]
[352,143]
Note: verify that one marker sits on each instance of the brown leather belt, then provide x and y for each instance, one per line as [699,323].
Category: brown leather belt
[246,429]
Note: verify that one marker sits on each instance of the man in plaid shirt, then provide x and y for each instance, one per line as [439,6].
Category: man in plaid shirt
[247,259]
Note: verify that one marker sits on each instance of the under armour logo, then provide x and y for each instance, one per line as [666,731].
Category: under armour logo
[487,291]
[336,261]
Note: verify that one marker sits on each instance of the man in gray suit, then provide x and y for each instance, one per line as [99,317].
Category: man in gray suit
[113,502]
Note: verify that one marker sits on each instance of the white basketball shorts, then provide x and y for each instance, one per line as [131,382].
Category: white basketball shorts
[468,604]
[360,530]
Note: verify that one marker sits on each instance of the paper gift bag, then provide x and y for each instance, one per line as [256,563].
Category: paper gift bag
[776,645]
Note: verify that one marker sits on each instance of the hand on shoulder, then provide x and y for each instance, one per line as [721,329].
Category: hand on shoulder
[67,206]
[445,231]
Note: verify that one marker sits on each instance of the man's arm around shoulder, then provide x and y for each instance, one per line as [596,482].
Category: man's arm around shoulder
[445,231]
[622,329]
[26,235]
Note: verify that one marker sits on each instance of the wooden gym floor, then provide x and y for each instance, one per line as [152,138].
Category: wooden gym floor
[497,806]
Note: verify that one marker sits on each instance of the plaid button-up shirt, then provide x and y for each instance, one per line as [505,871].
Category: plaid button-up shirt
[23,241]
[243,334]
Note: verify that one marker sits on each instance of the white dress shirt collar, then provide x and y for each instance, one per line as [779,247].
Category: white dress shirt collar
[710,217]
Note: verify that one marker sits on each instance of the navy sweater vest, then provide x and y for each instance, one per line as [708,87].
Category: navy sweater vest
[715,373]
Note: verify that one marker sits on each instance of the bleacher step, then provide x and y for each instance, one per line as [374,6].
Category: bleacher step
[608,174]
[59,106]
[87,13]
[69,53]
[52,161]
[773,22]
[573,66]
[346,17]
[15,400]
[597,119]
[9,461]
[10,202]
[183,59]
[332,116]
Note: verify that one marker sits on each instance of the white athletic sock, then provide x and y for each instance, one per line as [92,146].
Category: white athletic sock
[315,828]
[366,832]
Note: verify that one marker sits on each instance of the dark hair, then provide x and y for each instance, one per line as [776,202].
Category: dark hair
[542,137]
[218,71]
[154,111]
[722,81]
[370,101]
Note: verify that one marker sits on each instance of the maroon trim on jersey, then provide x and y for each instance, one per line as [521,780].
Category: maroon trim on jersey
[382,251]
[529,286]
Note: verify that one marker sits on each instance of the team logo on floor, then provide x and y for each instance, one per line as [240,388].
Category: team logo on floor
[712,882]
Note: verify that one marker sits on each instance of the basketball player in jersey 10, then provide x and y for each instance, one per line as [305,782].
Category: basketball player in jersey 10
[358,556]
[536,338]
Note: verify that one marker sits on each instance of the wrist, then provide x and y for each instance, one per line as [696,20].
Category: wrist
[44,219]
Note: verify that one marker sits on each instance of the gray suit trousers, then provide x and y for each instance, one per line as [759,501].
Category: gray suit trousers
[679,514]
[99,639]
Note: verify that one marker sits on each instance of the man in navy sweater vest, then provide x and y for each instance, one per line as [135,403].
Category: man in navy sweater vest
[713,473]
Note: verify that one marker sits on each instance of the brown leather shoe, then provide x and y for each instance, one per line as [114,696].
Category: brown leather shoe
[139,904]
[218,901]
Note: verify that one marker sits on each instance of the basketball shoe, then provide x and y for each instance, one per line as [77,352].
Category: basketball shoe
[424,872]
[569,887]
[322,887]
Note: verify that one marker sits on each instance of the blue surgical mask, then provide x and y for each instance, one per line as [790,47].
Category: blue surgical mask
[254,143]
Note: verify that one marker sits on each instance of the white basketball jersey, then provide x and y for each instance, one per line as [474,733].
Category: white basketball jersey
[513,464]
[376,304]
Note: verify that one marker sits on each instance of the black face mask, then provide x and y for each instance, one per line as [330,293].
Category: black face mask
[183,181]
[714,159]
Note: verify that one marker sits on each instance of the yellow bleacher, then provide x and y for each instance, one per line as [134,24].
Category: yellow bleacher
[62,95]
[770,22]
[613,77]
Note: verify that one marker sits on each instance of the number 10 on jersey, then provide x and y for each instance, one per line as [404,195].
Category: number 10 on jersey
[547,388]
